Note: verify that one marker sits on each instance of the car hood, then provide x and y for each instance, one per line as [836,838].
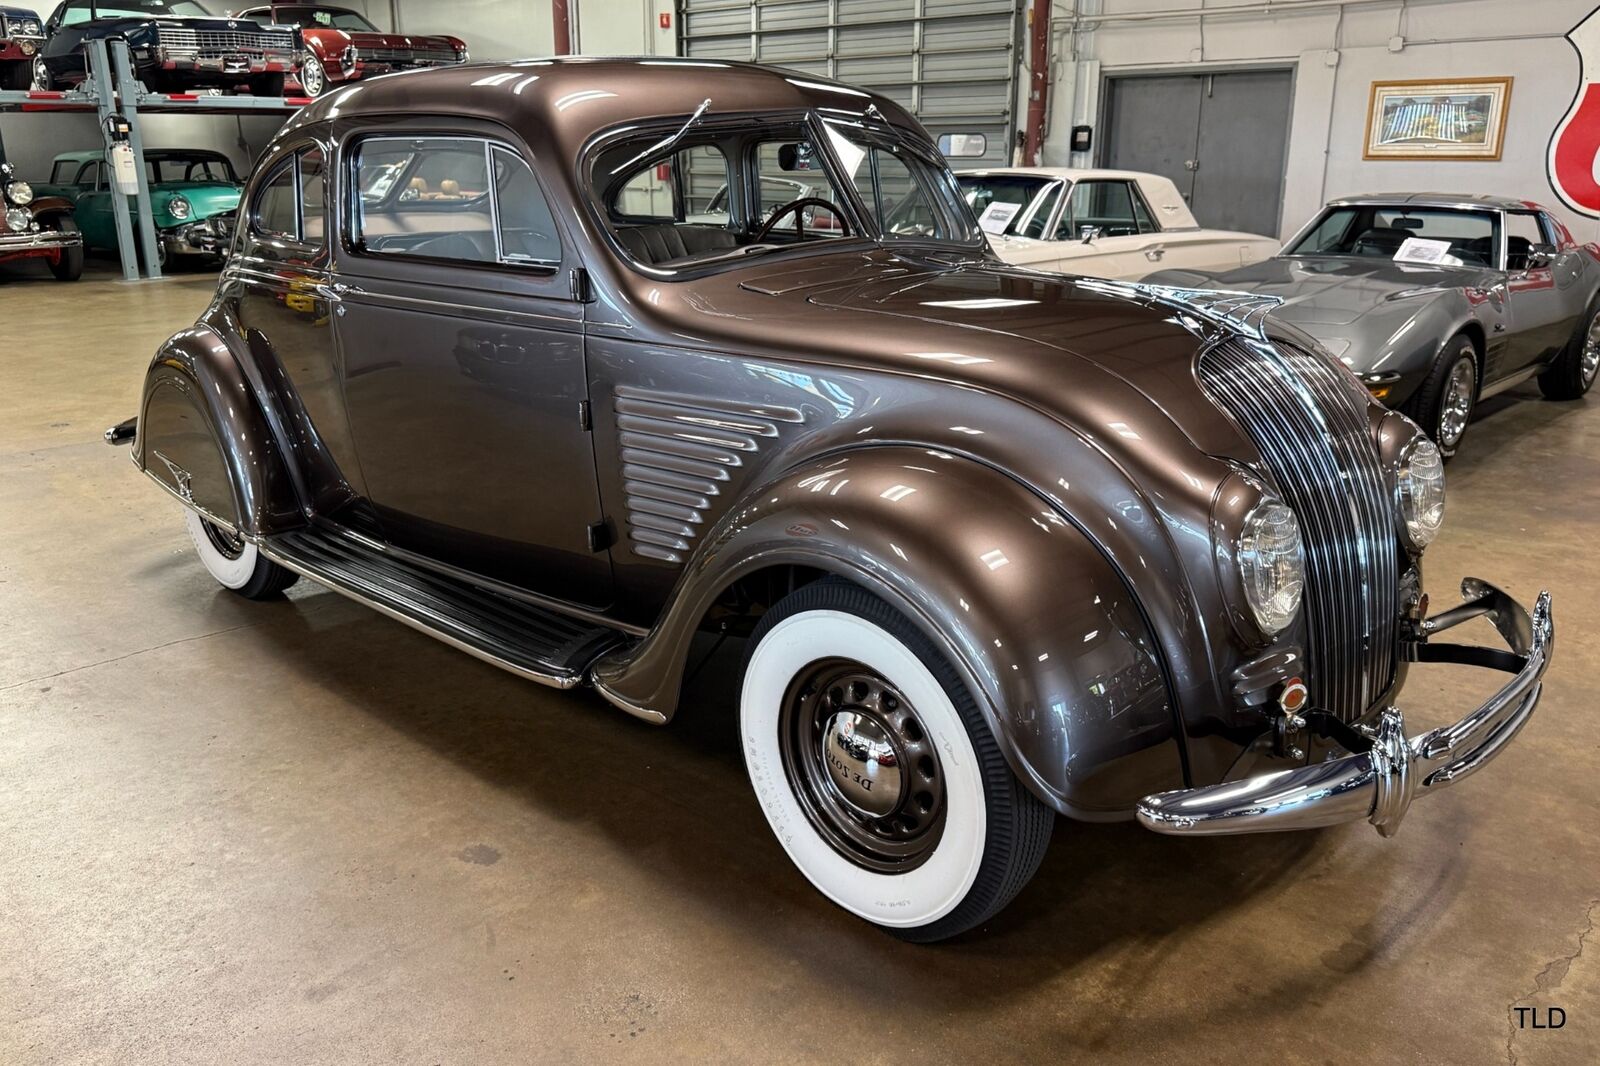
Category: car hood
[1097,354]
[1338,290]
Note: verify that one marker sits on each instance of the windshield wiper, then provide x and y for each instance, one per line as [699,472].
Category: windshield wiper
[667,142]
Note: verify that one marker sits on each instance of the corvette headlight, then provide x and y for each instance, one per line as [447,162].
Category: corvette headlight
[179,207]
[1272,565]
[1420,482]
[19,193]
[19,219]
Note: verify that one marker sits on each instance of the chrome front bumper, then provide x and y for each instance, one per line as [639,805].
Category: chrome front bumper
[1379,783]
[45,238]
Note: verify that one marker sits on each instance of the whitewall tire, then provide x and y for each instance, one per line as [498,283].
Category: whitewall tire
[236,563]
[876,770]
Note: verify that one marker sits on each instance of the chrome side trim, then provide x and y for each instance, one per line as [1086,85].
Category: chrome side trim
[560,681]
[619,702]
[1379,784]
[1513,381]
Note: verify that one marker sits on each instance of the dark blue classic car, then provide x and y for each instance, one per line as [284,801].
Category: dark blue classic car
[177,45]
[21,34]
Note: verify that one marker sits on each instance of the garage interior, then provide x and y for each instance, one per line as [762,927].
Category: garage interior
[299,831]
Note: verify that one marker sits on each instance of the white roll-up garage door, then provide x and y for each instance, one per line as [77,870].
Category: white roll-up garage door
[952,63]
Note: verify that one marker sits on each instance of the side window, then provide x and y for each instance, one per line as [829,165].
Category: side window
[291,204]
[274,213]
[424,196]
[1106,206]
[458,198]
[313,196]
[1141,211]
[527,228]
[1040,218]
[1523,231]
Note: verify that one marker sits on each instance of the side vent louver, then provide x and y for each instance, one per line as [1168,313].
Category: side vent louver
[678,454]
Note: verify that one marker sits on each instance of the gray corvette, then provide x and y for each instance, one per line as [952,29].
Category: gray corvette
[1436,301]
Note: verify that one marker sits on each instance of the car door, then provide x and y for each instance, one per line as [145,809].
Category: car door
[92,209]
[1540,295]
[1099,232]
[463,362]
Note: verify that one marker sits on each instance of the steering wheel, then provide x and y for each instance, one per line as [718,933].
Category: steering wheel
[794,206]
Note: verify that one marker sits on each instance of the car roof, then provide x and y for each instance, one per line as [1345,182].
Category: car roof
[568,99]
[88,155]
[1448,200]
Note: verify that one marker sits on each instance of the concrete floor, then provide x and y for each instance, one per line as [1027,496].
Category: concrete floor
[234,832]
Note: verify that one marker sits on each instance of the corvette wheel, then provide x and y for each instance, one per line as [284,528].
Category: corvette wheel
[236,563]
[877,771]
[1573,373]
[313,79]
[1443,404]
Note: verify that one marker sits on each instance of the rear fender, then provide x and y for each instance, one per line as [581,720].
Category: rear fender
[1044,630]
[203,438]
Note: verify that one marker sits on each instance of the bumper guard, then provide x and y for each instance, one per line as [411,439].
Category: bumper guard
[1379,783]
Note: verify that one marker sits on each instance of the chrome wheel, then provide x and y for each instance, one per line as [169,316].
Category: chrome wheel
[229,545]
[41,74]
[1590,360]
[862,766]
[313,79]
[1455,409]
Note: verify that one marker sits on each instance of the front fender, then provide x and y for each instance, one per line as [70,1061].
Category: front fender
[1043,628]
[202,436]
[48,206]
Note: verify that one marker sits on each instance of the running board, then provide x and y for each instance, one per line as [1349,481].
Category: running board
[530,641]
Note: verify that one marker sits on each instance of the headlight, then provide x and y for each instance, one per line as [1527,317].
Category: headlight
[30,27]
[179,208]
[19,219]
[19,193]
[1272,565]
[1420,480]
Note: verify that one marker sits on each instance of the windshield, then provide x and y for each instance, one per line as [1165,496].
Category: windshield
[78,11]
[307,15]
[682,196]
[1380,231]
[1012,205]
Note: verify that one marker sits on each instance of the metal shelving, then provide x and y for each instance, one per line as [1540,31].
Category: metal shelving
[111,91]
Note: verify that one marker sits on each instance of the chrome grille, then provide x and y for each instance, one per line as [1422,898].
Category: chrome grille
[223,42]
[1310,424]
[403,57]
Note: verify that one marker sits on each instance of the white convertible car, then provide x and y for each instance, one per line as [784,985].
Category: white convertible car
[1102,223]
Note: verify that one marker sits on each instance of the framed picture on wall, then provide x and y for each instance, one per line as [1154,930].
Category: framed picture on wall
[1438,120]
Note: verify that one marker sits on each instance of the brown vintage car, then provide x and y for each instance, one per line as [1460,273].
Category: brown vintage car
[1003,544]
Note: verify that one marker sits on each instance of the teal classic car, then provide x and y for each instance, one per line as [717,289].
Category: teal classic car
[194,194]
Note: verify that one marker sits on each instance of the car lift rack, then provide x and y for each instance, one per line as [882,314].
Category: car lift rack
[111,90]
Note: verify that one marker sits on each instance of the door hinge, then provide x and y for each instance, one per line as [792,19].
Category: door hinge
[584,421]
[581,290]
[599,536]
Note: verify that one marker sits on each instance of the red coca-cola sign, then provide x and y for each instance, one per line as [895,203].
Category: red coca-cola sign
[1575,145]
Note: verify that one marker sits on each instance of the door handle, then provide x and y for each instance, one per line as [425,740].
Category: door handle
[339,288]
[1191,164]
[1154,254]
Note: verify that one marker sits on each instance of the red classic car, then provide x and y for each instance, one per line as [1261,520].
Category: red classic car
[21,33]
[38,227]
[341,45]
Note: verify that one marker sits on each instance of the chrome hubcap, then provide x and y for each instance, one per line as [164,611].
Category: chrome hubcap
[864,769]
[1591,352]
[1456,408]
[311,77]
[230,545]
[41,73]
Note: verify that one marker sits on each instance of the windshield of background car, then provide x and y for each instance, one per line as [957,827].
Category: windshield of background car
[1378,231]
[83,11]
[334,17]
[1028,198]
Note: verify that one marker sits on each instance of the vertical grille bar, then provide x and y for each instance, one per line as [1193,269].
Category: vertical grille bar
[1310,425]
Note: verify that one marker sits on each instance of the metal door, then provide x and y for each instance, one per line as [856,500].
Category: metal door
[1223,138]
[951,63]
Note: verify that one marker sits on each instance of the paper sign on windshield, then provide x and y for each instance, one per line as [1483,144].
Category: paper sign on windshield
[1422,250]
[997,216]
